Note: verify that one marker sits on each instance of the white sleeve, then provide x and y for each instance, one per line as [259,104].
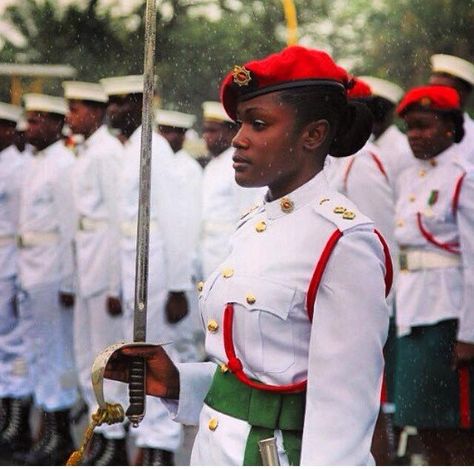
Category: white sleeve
[108,176]
[465,219]
[346,354]
[66,212]
[195,380]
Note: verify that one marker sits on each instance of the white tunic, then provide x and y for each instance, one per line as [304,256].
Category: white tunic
[11,168]
[467,143]
[95,189]
[340,352]
[428,296]
[223,202]
[47,209]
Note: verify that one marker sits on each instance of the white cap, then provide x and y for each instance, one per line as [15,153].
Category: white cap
[45,103]
[214,111]
[174,119]
[383,88]
[454,66]
[85,91]
[9,112]
[129,84]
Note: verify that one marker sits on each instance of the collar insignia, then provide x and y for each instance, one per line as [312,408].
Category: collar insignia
[241,75]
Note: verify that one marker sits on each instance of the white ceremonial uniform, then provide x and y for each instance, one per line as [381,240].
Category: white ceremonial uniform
[266,278]
[46,230]
[467,143]
[167,272]
[94,178]
[14,379]
[439,279]
[394,152]
[224,201]
[365,179]
[187,204]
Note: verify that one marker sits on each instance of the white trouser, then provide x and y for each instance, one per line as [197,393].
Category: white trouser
[94,330]
[157,430]
[14,378]
[47,328]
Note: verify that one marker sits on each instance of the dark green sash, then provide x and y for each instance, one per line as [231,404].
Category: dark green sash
[265,411]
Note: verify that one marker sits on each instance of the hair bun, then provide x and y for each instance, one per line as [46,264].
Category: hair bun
[354,130]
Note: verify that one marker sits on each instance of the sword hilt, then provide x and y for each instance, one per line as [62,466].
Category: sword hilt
[136,391]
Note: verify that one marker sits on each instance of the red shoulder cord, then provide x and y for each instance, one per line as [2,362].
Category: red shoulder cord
[379,164]
[450,247]
[457,193]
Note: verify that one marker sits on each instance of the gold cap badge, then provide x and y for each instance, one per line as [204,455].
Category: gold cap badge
[425,101]
[241,75]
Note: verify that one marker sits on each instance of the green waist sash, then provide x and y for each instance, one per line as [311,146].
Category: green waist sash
[265,411]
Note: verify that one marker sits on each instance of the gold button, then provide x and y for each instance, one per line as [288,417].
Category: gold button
[200,286]
[286,205]
[433,162]
[422,173]
[224,368]
[260,226]
[227,273]
[348,215]
[322,201]
[339,209]
[428,213]
[213,424]
[251,299]
[212,326]
[400,223]
[412,198]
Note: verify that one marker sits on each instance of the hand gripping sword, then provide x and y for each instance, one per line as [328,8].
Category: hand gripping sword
[137,391]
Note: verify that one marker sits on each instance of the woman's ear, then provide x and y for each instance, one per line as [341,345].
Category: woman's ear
[315,134]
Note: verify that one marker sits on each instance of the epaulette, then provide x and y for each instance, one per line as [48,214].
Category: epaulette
[247,214]
[341,212]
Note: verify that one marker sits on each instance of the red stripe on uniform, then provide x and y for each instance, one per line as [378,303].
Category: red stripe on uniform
[431,239]
[457,193]
[388,264]
[464,398]
[379,164]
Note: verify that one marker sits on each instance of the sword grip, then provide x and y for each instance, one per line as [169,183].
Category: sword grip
[136,391]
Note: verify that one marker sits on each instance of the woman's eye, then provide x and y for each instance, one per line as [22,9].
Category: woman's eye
[239,123]
[258,124]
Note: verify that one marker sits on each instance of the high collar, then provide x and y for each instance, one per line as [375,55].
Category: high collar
[300,197]
[450,155]
[48,150]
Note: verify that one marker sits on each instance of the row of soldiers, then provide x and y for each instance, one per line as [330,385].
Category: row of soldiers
[68,227]
[417,191]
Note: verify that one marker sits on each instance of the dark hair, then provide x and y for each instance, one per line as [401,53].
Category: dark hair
[95,104]
[457,118]
[350,123]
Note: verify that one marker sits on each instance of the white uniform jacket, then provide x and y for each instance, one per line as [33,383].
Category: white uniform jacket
[47,219]
[223,203]
[164,236]
[435,227]
[11,168]
[267,279]
[95,174]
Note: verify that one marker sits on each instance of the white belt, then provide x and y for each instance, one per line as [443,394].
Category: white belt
[7,240]
[411,260]
[89,224]
[218,227]
[36,238]
[129,228]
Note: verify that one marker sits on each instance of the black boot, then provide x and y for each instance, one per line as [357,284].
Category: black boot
[4,412]
[55,446]
[157,457]
[96,448]
[114,453]
[16,436]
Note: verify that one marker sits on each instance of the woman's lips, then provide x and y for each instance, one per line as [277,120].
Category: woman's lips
[240,162]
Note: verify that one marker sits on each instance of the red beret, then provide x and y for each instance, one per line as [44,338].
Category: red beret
[294,66]
[430,98]
[360,89]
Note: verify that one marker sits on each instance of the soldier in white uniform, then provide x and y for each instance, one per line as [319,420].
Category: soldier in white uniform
[15,385]
[97,307]
[168,276]
[448,70]
[45,258]
[223,201]
[296,315]
[173,126]
[435,317]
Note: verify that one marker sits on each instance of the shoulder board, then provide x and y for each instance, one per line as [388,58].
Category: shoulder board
[341,212]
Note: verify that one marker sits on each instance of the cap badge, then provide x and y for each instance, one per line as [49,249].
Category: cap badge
[241,75]
[425,102]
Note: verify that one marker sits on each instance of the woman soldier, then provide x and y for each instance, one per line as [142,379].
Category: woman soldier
[296,316]
[435,316]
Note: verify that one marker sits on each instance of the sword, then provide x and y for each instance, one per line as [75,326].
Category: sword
[137,391]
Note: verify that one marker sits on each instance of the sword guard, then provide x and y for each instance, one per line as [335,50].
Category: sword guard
[136,391]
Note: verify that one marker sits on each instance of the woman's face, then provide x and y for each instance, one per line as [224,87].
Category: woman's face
[428,134]
[268,150]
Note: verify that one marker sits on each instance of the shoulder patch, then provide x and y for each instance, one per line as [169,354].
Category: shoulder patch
[341,212]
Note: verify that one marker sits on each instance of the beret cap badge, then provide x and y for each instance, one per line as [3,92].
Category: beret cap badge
[425,101]
[241,75]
